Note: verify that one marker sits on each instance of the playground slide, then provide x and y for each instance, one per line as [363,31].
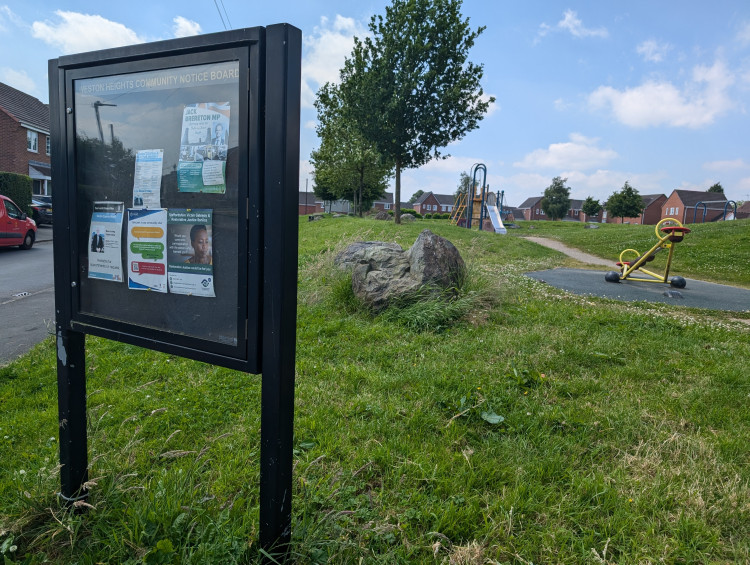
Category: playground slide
[497,222]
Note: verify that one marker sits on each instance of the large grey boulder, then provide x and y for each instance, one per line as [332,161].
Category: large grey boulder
[382,272]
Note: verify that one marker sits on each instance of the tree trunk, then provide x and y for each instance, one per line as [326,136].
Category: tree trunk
[361,183]
[397,196]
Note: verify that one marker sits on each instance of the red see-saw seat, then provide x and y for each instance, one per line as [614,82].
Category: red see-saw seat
[676,233]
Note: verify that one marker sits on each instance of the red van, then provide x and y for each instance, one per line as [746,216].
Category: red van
[15,227]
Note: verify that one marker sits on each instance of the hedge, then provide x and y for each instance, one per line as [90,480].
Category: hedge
[17,188]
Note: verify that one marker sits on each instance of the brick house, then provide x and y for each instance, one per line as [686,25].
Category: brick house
[743,211]
[25,138]
[681,205]
[309,204]
[651,212]
[431,203]
[532,208]
[384,203]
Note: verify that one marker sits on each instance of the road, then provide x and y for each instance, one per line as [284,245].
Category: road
[27,296]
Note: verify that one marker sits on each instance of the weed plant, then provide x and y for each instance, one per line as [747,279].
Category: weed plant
[527,426]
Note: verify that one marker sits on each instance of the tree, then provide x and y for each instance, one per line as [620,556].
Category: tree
[346,165]
[556,201]
[410,85]
[716,188]
[464,184]
[415,196]
[591,207]
[626,204]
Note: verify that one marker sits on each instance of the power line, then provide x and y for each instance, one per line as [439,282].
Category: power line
[216,3]
[222,17]
[225,13]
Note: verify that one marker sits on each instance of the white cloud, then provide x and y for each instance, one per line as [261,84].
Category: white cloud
[580,153]
[653,51]
[7,15]
[325,50]
[573,25]
[722,166]
[662,103]
[743,35]
[75,32]
[18,80]
[184,27]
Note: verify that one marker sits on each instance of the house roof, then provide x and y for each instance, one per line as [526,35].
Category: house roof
[649,199]
[692,197]
[387,199]
[422,198]
[445,199]
[24,108]
[530,202]
[307,198]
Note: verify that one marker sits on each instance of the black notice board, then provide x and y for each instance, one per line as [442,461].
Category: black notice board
[158,142]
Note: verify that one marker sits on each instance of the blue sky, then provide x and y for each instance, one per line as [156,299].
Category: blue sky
[653,93]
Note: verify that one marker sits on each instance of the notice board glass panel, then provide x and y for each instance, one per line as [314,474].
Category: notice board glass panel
[161,213]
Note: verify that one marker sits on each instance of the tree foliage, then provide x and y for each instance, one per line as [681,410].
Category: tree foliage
[591,207]
[556,201]
[464,184]
[716,188]
[626,203]
[410,85]
[346,165]
[415,196]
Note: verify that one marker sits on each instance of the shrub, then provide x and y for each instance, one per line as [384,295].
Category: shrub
[18,189]
[428,216]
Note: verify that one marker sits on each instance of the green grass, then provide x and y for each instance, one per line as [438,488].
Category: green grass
[533,427]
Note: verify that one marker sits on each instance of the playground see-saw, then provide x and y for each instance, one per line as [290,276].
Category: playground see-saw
[632,264]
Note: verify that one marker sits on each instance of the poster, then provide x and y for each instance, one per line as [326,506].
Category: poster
[147,238]
[190,251]
[147,179]
[203,148]
[105,243]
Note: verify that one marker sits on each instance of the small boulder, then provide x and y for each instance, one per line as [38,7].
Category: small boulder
[407,218]
[382,272]
[383,215]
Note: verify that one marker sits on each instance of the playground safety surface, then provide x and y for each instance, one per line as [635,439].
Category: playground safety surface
[696,294]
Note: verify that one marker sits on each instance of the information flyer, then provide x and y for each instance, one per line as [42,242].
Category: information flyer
[105,244]
[190,251]
[147,179]
[203,148]
[147,238]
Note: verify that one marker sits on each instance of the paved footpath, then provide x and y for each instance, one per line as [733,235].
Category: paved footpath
[572,252]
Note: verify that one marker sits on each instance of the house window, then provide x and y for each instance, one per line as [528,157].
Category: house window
[386,206]
[32,141]
[676,211]
[48,144]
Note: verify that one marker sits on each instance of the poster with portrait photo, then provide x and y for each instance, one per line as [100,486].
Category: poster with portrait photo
[203,148]
[190,268]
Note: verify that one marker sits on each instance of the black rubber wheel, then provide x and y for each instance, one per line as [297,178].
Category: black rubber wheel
[612,276]
[28,241]
[678,282]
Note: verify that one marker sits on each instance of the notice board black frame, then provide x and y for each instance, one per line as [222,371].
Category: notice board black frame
[268,162]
